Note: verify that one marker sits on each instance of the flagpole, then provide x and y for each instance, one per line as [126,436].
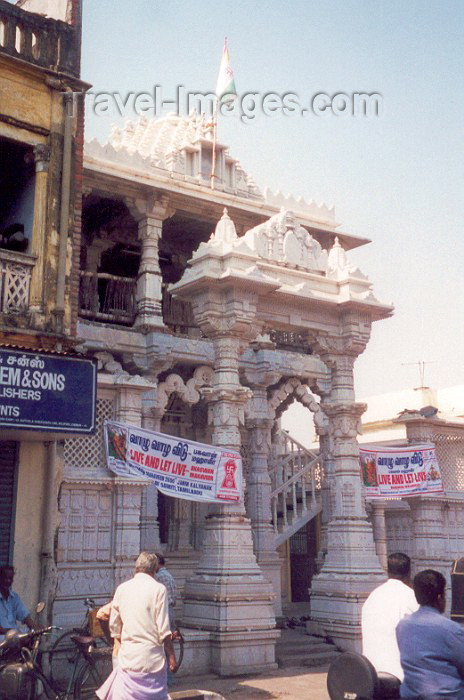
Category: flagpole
[213,164]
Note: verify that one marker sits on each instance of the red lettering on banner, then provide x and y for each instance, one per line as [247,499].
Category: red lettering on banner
[137,456]
[179,468]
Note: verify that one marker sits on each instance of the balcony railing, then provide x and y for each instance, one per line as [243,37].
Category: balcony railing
[105,297]
[15,281]
[48,43]
[178,315]
[112,299]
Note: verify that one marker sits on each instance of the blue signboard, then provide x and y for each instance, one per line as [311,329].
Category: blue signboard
[41,391]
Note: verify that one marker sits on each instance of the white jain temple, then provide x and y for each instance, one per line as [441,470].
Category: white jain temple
[210,311]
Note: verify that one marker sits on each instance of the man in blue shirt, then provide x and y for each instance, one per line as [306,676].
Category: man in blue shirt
[431,646]
[12,608]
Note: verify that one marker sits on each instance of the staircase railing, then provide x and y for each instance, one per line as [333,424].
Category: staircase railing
[296,480]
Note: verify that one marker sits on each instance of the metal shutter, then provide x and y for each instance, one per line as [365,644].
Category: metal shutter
[8,452]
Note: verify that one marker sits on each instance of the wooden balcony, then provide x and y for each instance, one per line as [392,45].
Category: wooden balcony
[107,298]
[111,299]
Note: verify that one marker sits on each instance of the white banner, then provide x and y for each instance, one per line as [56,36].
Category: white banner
[400,471]
[177,467]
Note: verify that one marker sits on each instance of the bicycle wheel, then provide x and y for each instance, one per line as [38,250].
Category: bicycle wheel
[63,655]
[61,658]
[94,671]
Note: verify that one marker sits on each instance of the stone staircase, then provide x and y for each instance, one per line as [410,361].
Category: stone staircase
[298,648]
[296,477]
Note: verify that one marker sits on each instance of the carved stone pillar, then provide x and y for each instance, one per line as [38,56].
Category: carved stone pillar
[129,404]
[39,227]
[127,495]
[149,525]
[430,536]
[150,214]
[184,517]
[380,531]
[327,479]
[351,568]
[259,425]
[228,594]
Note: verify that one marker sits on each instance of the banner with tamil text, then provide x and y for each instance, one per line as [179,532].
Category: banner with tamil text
[400,471]
[178,467]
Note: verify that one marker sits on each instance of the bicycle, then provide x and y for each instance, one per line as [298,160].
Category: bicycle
[63,651]
[21,668]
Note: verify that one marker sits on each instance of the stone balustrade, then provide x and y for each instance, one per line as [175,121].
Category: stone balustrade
[48,43]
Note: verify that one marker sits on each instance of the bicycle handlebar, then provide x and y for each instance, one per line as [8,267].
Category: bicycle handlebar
[20,639]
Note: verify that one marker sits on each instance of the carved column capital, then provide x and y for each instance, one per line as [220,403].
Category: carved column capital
[41,154]
[347,411]
[153,206]
[227,313]
[262,375]
[350,340]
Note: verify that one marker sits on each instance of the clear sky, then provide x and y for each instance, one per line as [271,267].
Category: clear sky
[396,179]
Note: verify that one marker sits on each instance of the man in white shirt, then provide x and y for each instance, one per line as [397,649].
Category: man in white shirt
[139,618]
[382,611]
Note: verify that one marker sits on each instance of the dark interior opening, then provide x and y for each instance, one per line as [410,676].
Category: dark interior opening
[17,183]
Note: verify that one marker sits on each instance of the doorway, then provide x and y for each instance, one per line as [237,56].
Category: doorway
[303,552]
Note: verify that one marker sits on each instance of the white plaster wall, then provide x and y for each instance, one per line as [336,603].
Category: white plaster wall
[388,406]
[451,400]
[385,436]
[55,9]
[28,521]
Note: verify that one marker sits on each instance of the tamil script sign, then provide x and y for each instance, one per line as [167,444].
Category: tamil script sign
[178,467]
[41,391]
[400,471]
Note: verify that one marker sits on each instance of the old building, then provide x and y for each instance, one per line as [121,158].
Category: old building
[208,311]
[41,139]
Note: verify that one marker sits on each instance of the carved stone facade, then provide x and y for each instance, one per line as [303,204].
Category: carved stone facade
[267,310]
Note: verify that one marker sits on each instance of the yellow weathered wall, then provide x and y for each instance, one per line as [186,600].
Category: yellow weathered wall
[24,96]
[28,523]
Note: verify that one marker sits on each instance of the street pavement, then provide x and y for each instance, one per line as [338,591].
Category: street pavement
[290,684]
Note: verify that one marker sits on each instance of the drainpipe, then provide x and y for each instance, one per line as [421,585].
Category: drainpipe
[50,515]
[64,209]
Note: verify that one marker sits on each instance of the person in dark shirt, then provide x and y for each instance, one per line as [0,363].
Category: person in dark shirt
[431,646]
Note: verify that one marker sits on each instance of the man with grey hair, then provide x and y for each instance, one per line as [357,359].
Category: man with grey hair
[139,619]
